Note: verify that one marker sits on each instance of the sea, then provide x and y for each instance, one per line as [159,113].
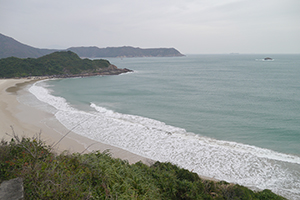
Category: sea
[232,117]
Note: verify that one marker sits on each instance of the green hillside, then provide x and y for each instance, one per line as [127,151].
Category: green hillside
[57,63]
[96,175]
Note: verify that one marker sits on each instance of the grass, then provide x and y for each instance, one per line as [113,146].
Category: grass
[96,175]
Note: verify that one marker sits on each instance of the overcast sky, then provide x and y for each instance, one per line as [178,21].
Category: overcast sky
[191,26]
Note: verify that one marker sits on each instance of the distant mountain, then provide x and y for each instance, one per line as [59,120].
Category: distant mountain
[126,51]
[10,47]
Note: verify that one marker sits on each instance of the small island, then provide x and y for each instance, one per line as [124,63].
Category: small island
[61,64]
[268,58]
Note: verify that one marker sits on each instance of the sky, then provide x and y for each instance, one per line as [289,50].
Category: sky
[190,26]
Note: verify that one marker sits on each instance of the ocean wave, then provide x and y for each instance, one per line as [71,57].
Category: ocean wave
[233,162]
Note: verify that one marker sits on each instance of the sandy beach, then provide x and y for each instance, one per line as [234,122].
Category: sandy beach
[29,121]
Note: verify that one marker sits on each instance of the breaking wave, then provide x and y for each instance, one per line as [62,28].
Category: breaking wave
[230,161]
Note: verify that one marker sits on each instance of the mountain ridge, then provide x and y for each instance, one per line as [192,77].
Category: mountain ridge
[10,47]
[124,51]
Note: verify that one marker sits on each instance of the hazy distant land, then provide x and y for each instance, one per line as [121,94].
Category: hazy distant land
[10,47]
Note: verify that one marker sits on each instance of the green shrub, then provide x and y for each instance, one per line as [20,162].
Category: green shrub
[97,175]
[57,63]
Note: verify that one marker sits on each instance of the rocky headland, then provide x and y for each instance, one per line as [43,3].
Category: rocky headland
[62,64]
[111,70]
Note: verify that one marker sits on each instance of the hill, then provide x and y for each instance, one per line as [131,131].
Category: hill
[126,51]
[96,175]
[58,64]
[10,47]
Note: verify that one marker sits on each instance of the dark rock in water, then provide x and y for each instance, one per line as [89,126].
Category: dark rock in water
[12,189]
[268,58]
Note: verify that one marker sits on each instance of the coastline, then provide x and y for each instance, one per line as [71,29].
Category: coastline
[28,121]
[208,156]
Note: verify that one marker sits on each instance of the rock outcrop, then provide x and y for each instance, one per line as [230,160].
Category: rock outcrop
[12,189]
[111,70]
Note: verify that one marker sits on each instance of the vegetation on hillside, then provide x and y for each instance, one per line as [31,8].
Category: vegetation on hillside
[97,175]
[57,63]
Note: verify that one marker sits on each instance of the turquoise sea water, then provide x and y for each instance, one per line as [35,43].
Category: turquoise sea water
[232,117]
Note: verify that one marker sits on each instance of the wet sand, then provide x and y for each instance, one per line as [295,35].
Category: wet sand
[29,121]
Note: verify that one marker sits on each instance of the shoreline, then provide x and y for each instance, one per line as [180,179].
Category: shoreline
[28,121]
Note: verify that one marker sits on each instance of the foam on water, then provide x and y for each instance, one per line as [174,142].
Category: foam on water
[233,162]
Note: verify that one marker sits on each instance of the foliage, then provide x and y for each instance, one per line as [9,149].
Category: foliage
[57,63]
[97,175]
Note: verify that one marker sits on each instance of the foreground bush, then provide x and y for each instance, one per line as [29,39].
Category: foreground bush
[96,175]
